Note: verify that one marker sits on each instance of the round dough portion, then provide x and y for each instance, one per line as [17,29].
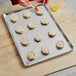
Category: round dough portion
[39,12]
[27,14]
[19,29]
[60,44]
[37,37]
[31,25]
[31,55]
[44,21]
[24,41]
[52,33]
[13,18]
[45,50]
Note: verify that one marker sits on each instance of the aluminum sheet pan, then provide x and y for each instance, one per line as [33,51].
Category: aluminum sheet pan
[43,30]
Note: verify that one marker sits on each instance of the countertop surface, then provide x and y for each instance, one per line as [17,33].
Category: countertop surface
[72,5]
[10,62]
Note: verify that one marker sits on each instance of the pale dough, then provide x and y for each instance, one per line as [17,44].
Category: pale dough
[27,14]
[52,33]
[24,41]
[60,44]
[44,21]
[45,50]
[31,25]
[37,37]
[39,12]
[13,18]
[19,29]
[31,55]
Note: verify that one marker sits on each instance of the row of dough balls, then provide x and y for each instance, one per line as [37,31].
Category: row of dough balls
[30,25]
[44,50]
[37,37]
[25,41]
[26,15]
[32,55]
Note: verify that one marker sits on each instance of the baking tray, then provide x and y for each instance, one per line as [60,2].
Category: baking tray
[51,42]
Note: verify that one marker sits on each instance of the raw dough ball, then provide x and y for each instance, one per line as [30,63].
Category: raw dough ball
[44,21]
[24,41]
[37,37]
[52,33]
[13,18]
[39,12]
[31,25]
[26,14]
[45,50]
[31,55]
[60,44]
[19,29]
